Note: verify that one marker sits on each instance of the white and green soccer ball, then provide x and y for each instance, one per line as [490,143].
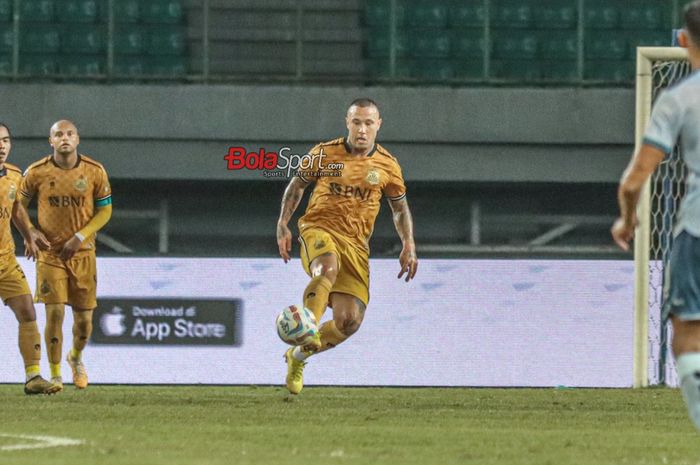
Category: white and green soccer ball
[296,325]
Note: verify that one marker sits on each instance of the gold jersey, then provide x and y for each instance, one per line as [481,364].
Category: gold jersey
[349,188]
[10,180]
[67,198]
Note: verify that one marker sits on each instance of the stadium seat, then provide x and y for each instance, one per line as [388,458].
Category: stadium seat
[77,11]
[512,14]
[646,39]
[380,68]
[129,66]
[432,70]
[164,40]
[516,70]
[168,67]
[559,70]
[125,11]
[609,46]
[556,15]
[378,45]
[5,64]
[558,44]
[515,46]
[468,43]
[601,16]
[466,68]
[467,14]
[640,15]
[37,64]
[427,14]
[39,38]
[161,11]
[433,44]
[610,71]
[129,40]
[7,37]
[5,11]
[81,65]
[378,13]
[37,10]
[83,39]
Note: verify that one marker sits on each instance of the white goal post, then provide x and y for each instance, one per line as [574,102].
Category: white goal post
[645,94]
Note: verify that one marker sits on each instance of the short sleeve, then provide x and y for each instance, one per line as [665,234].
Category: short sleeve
[102,192]
[665,123]
[395,188]
[28,186]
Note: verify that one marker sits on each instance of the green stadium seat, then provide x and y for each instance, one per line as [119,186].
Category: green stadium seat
[646,39]
[168,66]
[378,45]
[129,40]
[638,15]
[512,14]
[611,46]
[37,10]
[5,11]
[378,13]
[468,68]
[5,64]
[129,66]
[164,40]
[467,15]
[433,44]
[515,46]
[125,11]
[380,68]
[601,16]
[81,65]
[516,70]
[83,39]
[77,11]
[468,43]
[161,11]
[559,44]
[37,64]
[432,70]
[610,71]
[36,37]
[556,15]
[559,70]
[7,37]
[427,14]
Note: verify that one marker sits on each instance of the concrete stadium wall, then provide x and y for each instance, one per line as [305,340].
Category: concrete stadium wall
[440,133]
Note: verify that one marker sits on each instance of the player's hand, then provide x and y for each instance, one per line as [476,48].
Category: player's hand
[622,233]
[284,241]
[34,243]
[409,262]
[69,248]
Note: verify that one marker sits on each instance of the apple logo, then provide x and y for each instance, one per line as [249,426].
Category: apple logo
[112,323]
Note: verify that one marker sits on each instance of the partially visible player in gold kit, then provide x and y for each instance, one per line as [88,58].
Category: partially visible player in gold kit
[74,201]
[335,230]
[14,289]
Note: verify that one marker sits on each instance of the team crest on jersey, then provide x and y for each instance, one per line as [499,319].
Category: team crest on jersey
[81,184]
[319,244]
[372,177]
[12,193]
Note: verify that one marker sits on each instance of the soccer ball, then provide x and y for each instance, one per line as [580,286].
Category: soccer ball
[296,325]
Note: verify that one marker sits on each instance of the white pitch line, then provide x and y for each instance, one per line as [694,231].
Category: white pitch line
[43,442]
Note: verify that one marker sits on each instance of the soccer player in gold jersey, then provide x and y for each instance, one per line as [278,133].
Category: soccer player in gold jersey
[74,201]
[335,230]
[14,288]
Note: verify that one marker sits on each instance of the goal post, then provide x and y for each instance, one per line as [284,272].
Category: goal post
[657,68]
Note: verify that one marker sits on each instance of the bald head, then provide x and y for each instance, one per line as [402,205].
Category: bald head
[64,138]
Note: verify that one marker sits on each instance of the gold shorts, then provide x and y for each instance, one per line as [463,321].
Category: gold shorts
[73,282]
[353,261]
[13,283]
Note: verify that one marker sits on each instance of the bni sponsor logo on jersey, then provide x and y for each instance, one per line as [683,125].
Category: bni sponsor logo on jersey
[169,321]
[282,163]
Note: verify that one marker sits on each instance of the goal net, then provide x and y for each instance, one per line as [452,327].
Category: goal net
[657,69]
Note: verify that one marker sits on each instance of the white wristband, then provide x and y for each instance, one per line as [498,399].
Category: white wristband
[80,236]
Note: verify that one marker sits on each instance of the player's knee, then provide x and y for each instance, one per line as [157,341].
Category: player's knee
[348,325]
[54,316]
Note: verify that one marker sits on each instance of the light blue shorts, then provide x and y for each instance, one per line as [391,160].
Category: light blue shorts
[682,286]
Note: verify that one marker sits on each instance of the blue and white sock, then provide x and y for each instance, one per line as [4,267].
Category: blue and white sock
[688,367]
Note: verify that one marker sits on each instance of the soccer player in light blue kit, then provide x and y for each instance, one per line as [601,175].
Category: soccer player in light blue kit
[676,114]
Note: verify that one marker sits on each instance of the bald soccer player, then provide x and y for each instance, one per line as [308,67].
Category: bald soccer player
[74,202]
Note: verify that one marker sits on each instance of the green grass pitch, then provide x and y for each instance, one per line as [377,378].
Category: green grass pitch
[154,425]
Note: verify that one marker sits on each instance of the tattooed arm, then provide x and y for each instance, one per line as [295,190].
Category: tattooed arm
[403,221]
[290,201]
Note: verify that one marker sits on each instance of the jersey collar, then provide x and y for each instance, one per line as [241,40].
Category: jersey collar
[3,172]
[65,169]
[348,149]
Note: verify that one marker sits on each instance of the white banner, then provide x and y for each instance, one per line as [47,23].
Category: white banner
[459,323]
